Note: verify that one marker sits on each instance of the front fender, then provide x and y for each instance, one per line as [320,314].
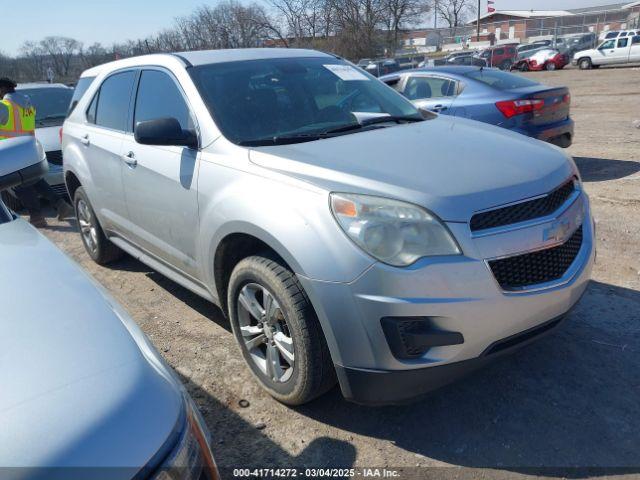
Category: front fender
[294,221]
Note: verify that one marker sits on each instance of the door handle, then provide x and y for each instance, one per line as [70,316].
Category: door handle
[439,108]
[130,159]
[85,139]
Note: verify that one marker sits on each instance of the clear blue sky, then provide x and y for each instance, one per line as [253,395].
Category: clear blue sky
[109,21]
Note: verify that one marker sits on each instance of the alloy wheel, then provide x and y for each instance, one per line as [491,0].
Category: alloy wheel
[265,332]
[87,226]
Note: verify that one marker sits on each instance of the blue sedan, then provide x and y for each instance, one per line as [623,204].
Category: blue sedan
[490,96]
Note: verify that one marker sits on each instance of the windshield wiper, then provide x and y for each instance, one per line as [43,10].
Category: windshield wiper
[282,139]
[309,137]
[372,121]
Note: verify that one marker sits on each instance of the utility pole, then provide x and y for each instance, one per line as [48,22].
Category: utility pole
[435,14]
[478,24]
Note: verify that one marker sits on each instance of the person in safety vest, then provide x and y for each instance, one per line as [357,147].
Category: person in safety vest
[17,119]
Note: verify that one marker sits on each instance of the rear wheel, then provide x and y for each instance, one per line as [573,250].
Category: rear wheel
[278,331]
[95,242]
[11,201]
[524,67]
[585,63]
[506,65]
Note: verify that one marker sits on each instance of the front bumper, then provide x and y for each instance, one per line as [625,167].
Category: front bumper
[457,294]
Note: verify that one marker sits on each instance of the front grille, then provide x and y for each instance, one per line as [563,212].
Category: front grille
[55,157]
[524,211]
[538,267]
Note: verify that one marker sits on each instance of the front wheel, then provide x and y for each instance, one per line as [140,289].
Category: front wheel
[550,66]
[506,65]
[584,63]
[278,331]
[524,67]
[95,242]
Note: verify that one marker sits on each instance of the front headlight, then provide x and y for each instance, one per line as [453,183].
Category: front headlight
[391,231]
[191,458]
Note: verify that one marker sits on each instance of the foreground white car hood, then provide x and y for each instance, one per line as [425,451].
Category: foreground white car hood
[450,165]
[76,388]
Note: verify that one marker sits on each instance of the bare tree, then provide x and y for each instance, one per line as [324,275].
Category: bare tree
[400,13]
[454,12]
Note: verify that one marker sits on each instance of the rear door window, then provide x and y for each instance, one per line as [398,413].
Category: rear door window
[499,51]
[160,97]
[114,97]
[623,42]
[419,88]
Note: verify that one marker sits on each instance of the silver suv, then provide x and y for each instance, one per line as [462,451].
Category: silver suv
[346,234]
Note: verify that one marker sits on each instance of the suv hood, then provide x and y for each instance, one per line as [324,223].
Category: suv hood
[452,166]
[77,388]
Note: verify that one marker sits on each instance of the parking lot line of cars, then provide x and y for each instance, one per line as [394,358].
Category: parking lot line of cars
[280,204]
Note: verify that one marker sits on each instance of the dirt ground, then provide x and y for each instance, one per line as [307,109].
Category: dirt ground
[570,400]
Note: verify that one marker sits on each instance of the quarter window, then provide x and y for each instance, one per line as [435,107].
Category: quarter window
[635,40]
[159,97]
[113,101]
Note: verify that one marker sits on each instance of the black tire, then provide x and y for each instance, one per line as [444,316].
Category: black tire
[11,201]
[506,65]
[524,67]
[550,66]
[95,242]
[310,372]
[585,63]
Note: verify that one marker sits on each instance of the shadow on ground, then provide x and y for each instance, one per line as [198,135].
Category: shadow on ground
[603,169]
[264,453]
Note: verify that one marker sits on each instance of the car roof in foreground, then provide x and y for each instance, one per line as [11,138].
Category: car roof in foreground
[206,57]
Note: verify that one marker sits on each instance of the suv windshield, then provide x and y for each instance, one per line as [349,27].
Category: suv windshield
[499,79]
[51,104]
[289,100]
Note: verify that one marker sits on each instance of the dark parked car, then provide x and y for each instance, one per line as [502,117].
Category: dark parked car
[491,96]
[382,67]
[455,58]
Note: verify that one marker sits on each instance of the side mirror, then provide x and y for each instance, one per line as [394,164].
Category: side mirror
[22,160]
[164,131]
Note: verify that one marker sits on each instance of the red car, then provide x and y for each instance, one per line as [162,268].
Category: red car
[501,56]
[548,59]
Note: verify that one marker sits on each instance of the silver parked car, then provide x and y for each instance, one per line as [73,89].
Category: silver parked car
[52,103]
[345,235]
[84,393]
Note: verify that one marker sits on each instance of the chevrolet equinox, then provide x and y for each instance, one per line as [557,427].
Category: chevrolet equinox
[347,235]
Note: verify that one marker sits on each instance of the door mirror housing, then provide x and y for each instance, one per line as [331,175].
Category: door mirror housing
[165,131]
[22,160]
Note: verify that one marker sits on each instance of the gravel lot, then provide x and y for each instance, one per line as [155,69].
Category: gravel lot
[570,400]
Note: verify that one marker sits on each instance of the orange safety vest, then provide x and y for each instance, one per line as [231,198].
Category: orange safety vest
[21,121]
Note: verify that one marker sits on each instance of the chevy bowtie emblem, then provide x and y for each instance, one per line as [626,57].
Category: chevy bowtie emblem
[558,231]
